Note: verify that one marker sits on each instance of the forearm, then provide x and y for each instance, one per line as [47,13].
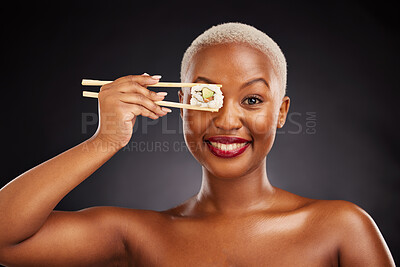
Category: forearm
[27,201]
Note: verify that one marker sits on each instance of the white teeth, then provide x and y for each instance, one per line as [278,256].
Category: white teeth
[227,147]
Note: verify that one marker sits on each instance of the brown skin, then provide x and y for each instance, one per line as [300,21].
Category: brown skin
[237,219]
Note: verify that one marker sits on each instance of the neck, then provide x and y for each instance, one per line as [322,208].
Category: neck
[247,193]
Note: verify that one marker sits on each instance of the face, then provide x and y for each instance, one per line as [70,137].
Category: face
[253,109]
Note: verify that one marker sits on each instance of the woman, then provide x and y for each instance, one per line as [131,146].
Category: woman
[237,219]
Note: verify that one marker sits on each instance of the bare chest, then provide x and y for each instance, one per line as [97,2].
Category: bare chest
[250,242]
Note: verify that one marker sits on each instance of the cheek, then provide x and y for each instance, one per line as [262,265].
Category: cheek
[262,124]
[194,122]
[263,128]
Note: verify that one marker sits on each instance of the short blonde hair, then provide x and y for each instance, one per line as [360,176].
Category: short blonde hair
[235,32]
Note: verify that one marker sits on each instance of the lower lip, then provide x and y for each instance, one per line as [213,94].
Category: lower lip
[227,153]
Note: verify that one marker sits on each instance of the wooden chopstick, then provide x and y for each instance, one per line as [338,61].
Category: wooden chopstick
[90,94]
[161,103]
[187,106]
[160,84]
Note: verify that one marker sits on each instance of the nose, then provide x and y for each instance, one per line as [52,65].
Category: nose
[228,118]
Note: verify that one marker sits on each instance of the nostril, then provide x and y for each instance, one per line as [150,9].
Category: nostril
[228,123]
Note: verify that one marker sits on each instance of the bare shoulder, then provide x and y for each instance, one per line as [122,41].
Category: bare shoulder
[126,224]
[123,217]
[345,227]
[340,211]
[358,239]
[91,237]
[339,216]
[130,220]
[343,214]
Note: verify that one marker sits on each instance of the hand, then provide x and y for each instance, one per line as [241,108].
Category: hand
[120,102]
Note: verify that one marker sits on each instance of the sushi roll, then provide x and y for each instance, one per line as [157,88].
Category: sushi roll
[207,95]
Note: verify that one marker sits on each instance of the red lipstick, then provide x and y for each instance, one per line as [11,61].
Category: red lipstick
[227,146]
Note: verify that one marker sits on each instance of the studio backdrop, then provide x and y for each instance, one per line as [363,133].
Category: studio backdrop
[340,141]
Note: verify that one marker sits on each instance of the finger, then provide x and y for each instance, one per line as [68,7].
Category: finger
[140,79]
[140,110]
[139,99]
[130,87]
[166,109]
[144,79]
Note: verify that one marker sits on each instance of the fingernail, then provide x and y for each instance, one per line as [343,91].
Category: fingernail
[166,109]
[162,93]
[145,74]
[156,77]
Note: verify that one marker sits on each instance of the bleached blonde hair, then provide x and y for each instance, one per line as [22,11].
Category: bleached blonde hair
[235,32]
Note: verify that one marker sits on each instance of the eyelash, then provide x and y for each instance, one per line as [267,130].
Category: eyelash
[253,96]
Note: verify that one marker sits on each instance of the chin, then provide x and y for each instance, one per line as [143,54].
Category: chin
[229,168]
[231,173]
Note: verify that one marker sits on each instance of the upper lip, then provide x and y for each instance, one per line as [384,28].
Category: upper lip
[227,139]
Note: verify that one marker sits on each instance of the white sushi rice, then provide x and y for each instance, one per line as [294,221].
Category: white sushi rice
[197,96]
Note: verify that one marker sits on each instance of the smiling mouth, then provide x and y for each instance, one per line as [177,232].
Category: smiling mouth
[227,146]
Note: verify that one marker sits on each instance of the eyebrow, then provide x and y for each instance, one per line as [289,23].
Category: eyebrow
[255,81]
[204,80]
[243,86]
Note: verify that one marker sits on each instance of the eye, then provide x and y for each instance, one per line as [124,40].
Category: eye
[252,100]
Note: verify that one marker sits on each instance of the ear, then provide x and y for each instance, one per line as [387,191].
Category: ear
[180,95]
[283,111]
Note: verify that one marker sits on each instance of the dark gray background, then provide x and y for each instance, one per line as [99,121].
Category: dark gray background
[341,140]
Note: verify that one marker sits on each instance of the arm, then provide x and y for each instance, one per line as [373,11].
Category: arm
[361,244]
[30,230]
[84,238]
[33,233]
